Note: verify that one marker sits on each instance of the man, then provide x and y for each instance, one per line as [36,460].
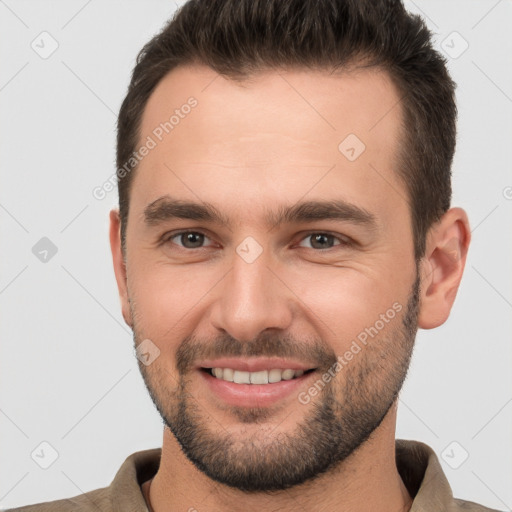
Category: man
[284,228]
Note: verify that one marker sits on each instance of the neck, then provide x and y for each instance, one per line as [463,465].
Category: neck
[367,480]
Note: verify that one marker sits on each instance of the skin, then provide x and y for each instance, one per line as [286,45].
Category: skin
[245,149]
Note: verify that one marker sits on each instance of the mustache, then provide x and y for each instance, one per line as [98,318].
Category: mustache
[313,353]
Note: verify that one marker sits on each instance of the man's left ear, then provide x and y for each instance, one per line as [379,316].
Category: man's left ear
[442,266]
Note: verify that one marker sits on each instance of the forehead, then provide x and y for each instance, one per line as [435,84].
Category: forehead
[278,133]
[359,100]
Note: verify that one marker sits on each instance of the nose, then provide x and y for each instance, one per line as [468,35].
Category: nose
[252,298]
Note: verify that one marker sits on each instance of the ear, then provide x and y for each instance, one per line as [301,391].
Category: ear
[442,267]
[119,264]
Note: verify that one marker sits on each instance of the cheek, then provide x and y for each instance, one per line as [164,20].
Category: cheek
[168,297]
[343,303]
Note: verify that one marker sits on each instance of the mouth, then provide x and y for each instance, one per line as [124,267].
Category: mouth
[255,382]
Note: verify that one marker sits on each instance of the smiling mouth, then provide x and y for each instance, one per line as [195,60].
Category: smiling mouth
[271,376]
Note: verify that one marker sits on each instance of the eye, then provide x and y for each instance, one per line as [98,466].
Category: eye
[188,239]
[320,240]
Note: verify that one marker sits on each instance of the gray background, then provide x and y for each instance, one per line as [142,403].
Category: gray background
[68,371]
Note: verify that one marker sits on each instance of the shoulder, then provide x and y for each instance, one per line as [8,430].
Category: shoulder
[422,473]
[471,506]
[93,501]
[124,492]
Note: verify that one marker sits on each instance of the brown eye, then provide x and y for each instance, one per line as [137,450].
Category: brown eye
[189,239]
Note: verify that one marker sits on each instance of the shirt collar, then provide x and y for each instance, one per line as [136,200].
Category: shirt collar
[423,476]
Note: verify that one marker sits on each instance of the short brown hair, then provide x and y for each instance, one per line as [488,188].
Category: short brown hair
[238,38]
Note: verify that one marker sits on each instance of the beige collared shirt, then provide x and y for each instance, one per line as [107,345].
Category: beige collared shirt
[417,464]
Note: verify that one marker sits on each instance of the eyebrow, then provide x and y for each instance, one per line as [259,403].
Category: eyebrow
[167,208]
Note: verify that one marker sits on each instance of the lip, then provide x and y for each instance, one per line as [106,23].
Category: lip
[254,364]
[254,395]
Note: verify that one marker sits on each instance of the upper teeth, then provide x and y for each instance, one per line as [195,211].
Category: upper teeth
[261,377]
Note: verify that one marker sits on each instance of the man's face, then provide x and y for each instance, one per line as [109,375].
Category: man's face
[267,283]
